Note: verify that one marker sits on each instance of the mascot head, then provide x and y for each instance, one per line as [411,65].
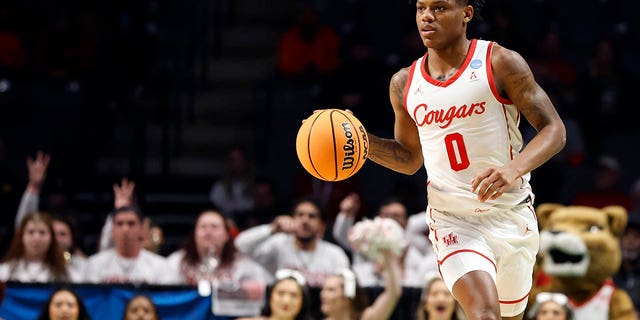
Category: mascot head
[572,236]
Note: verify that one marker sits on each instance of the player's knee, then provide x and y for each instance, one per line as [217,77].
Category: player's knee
[483,314]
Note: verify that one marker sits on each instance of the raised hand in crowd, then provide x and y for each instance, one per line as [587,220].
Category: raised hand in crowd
[285,224]
[37,171]
[123,193]
[350,205]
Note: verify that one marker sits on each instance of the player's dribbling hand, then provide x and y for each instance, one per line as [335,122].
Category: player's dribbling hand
[491,183]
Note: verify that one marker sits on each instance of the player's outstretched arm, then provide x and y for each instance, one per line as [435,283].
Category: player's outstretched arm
[403,153]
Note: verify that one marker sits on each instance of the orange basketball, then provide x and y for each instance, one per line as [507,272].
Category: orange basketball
[332,144]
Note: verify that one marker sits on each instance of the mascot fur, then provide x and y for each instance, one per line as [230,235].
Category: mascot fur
[579,254]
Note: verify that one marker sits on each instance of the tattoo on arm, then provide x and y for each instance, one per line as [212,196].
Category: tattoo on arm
[387,151]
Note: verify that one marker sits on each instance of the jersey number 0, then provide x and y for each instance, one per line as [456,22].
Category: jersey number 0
[457,152]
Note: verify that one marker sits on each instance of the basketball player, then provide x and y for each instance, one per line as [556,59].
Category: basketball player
[457,109]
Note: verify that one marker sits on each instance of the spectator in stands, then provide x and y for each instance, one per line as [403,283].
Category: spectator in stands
[34,254]
[265,203]
[342,298]
[141,307]
[63,48]
[330,194]
[605,190]
[288,298]
[209,253]
[550,66]
[128,261]
[152,236]
[308,49]
[606,93]
[295,242]
[233,194]
[123,196]
[368,272]
[551,306]
[436,301]
[12,53]
[359,82]
[64,233]
[64,304]
[62,226]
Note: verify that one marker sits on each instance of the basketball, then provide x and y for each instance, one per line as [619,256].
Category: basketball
[332,144]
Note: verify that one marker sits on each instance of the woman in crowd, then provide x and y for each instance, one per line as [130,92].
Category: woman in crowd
[288,299]
[436,302]
[551,306]
[342,298]
[64,304]
[34,254]
[209,253]
[141,307]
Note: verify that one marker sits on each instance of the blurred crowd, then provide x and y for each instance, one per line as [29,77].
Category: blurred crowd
[256,223]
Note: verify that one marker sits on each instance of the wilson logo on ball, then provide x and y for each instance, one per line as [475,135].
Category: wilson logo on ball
[348,147]
[332,144]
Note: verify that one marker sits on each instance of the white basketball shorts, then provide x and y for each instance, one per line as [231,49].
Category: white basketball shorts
[504,243]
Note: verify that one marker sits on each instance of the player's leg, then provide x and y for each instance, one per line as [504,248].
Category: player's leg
[477,294]
[517,249]
[518,317]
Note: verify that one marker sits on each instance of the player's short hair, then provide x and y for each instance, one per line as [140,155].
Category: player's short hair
[477,7]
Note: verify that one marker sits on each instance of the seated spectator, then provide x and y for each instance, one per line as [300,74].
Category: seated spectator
[210,257]
[309,48]
[288,298]
[141,307]
[152,236]
[73,256]
[436,302]
[605,190]
[368,272]
[12,53]
[342,298]
[295,242]
[64,304]
[233,194]
[329,193]
[123,196]
[128,261]
[34,254]
[62,227]
[550,305]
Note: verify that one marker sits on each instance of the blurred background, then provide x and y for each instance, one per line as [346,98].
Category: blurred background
[162,92]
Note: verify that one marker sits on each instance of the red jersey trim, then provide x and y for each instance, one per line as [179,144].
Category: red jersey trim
[408,85]
[465,63]
[506,121]
[440,262]
[492,83]
[513,301]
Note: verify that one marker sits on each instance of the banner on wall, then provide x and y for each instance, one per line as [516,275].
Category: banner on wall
[107,302]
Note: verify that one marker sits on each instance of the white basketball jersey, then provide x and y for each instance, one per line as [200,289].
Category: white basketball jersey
[464,127]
